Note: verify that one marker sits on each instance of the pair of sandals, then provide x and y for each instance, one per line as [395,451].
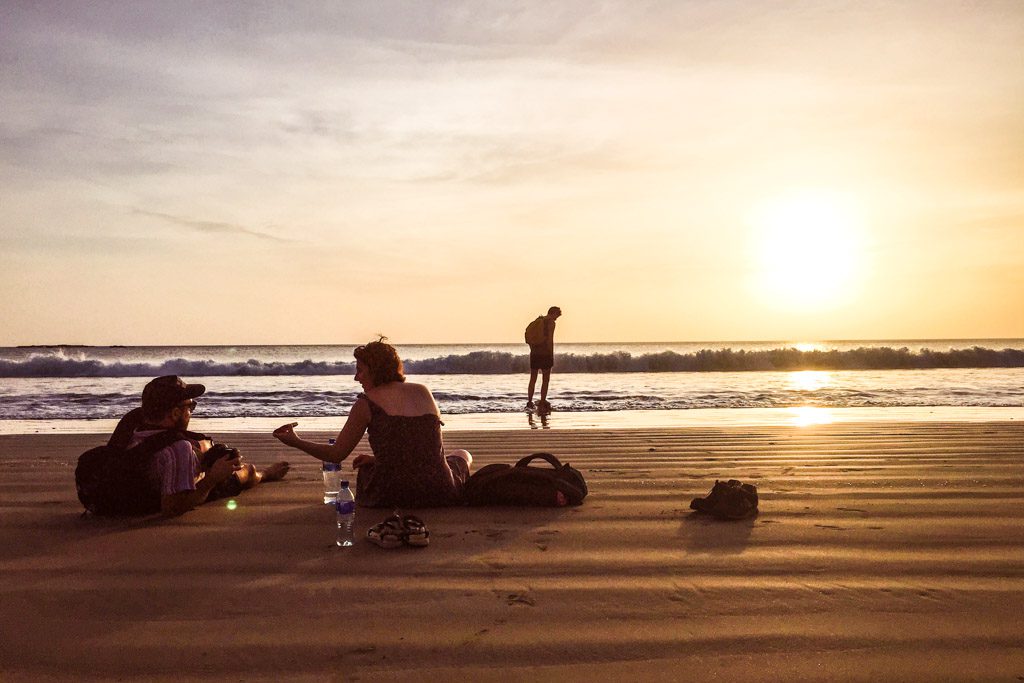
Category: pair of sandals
[396,530]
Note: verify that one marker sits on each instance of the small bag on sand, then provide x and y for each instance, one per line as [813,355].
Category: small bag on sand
[523,485]
[728,500]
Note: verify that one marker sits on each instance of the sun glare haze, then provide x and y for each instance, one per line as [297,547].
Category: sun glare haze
[441,171]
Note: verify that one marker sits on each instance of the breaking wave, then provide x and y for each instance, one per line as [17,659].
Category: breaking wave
[499,362]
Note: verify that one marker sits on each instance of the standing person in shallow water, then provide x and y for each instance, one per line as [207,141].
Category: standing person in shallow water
[542,358]
[408,467]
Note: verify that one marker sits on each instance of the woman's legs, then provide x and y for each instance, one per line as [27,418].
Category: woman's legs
[460,462]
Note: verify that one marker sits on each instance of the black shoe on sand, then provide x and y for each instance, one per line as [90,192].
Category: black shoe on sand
[728,500]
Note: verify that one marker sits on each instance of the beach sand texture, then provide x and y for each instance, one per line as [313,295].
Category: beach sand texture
[882,552]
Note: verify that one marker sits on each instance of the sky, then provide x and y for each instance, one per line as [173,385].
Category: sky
[694,170]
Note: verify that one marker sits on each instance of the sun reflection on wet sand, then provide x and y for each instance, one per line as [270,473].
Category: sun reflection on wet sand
[805,416]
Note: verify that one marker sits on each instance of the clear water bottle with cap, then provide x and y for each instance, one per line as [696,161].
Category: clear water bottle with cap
[346,507]
[332,479]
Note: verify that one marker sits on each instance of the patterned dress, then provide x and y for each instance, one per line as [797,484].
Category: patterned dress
[409,468]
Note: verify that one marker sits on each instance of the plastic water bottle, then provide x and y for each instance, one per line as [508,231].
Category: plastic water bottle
[332,479]
[346,507]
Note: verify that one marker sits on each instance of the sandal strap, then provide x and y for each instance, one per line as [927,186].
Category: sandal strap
[413,523]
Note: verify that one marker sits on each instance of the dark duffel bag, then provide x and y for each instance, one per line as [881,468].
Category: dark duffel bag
[526,485]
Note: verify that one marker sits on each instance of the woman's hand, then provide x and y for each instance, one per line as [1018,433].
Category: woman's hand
[286,434]
[362,459]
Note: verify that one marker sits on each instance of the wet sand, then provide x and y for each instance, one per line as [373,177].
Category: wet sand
[883,551]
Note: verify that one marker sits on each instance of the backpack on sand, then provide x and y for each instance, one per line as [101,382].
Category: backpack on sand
[116,481]
[524,485]
[534,334]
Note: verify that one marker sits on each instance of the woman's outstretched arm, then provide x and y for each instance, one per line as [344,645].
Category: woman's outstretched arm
[348,437]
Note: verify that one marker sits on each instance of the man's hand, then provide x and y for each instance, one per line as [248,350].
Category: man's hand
[222,468]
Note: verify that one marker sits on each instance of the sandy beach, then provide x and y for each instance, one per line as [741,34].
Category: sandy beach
[883,551]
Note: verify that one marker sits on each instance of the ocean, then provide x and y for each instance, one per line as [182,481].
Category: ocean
[86,388]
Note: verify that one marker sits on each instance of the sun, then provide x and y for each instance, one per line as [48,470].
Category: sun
[807,247]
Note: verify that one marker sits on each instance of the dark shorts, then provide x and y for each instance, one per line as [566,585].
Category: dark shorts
[541,359]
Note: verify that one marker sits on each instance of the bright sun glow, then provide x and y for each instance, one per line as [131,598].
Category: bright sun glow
[808,248]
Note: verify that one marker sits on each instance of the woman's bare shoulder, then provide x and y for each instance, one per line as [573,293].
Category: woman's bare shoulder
[413,387]
[421,396]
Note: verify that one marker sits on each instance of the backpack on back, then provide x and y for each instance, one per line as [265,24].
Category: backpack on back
[535,332]
[116,481]
[523,485]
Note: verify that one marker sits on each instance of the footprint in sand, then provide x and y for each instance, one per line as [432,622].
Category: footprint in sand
[832,526]
[931,594]
[517,599]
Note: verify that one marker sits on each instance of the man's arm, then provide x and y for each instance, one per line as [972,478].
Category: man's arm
[174,504]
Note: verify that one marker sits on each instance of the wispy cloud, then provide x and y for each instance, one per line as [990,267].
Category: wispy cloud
[213,227]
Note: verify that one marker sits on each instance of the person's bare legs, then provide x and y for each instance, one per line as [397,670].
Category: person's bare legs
[544,385]
[533,385]
[249,476]
[464,456]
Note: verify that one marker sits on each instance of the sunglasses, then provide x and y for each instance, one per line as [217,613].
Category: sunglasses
[190,404]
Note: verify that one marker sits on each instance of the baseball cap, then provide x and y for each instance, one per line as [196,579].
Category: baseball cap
[163,393]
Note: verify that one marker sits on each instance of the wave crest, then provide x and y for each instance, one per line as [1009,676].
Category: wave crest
[499,362]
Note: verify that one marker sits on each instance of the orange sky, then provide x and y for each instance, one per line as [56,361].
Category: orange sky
[443,172]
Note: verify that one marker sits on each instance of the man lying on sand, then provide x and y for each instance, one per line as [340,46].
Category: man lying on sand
[185,479]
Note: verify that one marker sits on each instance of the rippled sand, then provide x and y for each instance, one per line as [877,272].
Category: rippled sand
[882,552]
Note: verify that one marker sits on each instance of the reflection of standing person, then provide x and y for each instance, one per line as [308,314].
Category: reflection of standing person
[542,357]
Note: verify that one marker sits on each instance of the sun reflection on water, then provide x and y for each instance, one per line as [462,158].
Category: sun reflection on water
[809,380]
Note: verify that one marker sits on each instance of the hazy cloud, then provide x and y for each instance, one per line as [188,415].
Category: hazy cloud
[212,227]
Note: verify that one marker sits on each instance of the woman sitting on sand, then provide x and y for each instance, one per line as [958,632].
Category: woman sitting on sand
[408,467]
